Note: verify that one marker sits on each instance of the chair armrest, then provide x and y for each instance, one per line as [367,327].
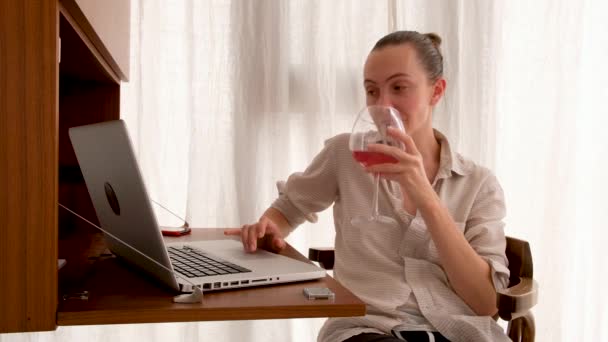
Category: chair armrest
[323,255]
[517,300]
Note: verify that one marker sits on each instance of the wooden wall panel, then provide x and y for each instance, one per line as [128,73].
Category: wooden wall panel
[28,157]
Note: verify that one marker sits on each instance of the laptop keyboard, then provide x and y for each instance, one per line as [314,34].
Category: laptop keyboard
[195,263]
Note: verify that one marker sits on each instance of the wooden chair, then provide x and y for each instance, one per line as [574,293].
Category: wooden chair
[514,303]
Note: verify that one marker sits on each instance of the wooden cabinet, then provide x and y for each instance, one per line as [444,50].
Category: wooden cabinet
[39,99]
[47,87]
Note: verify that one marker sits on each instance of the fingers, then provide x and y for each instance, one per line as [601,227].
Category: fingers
[272,237]
[260,229]
[245,238]
[395,152]
[409,160]
[384,168]
[243,232]
[232,231]
[253,233]
[265,231]
[407,140]
[278,244]
[396,133]
[410,153]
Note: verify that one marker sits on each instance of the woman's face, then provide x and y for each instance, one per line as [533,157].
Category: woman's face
[393,76]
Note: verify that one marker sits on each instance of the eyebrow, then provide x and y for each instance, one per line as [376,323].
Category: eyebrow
[399,74]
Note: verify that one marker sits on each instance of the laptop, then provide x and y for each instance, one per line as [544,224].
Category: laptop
[114,181]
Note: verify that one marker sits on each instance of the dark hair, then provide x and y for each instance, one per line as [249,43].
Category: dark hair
[426,46]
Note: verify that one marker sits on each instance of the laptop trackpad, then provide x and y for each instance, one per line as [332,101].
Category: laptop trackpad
[261,261]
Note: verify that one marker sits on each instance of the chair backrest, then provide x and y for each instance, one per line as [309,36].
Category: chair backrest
[520,259]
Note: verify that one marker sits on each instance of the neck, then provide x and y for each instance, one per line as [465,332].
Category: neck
[430,150]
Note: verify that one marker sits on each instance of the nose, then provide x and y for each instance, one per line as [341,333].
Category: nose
[384,99]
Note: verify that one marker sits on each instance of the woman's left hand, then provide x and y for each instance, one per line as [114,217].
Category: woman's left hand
[409,170]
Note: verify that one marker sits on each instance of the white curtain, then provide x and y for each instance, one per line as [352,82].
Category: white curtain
[227,97]
[552,156]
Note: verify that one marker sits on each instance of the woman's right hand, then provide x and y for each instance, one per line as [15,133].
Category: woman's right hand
[264,234]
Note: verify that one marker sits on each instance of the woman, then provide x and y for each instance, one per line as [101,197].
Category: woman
[435,278]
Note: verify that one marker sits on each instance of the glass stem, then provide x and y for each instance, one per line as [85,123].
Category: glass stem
[376,187]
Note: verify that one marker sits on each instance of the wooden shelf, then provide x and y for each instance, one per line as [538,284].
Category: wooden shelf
[120,294]
[88,56]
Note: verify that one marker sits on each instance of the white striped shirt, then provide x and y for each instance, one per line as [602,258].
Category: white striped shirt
[397,272]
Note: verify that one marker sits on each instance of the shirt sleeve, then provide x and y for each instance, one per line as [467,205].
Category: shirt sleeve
[315,189]
[485,230]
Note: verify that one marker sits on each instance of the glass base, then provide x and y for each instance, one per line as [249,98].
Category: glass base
[366,221]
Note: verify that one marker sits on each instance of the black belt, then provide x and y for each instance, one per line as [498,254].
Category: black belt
[420,336]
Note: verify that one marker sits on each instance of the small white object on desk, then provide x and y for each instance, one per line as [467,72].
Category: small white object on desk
[319,293]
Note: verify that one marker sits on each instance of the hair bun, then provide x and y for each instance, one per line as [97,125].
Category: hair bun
[435,39]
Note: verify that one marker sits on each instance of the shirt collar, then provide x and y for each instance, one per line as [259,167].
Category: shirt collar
[450,162]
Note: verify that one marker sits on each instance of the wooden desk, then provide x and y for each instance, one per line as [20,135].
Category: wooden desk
[119,294]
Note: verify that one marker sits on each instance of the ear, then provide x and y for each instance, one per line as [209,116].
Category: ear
[438,91]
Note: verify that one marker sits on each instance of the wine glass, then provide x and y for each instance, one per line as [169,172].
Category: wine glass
[371,128]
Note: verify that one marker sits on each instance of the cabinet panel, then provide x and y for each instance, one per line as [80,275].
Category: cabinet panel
[28,154]
[111,20]
[39,100]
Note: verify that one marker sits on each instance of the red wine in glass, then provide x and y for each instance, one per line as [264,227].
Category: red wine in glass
[366,158]
[371,128]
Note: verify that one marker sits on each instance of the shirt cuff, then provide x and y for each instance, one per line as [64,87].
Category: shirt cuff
[294,216]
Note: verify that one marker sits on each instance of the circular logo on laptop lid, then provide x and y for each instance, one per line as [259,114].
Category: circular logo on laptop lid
[111,196]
